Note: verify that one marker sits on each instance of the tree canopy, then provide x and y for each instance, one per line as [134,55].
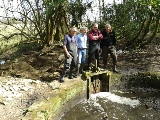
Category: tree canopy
[46,21]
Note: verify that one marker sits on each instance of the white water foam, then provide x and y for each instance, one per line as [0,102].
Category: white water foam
[93,104]
[115,98]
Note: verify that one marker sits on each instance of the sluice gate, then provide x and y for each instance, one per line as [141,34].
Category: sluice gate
[97,80]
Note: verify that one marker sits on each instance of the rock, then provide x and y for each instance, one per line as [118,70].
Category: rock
[54,85]
[61,57]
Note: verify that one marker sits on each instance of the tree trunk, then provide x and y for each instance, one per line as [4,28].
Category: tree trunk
[57,25]
[146,29]
[153,34]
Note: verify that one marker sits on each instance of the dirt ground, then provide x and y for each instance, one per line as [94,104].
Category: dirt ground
[46,65]
[40,72]
[41,65]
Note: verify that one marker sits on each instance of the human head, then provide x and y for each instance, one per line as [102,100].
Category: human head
[83,30]
[95,26]
[73,31]
[108,28]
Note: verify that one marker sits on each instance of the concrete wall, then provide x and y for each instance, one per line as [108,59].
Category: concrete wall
[54,104]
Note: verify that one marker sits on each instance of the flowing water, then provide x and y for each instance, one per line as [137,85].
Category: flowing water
[117,106]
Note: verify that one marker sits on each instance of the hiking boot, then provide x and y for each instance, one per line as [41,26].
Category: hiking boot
[62,79]
[75,75]
[70,75]
[114,69]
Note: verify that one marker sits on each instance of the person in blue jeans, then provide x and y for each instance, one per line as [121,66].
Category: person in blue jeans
[82,46]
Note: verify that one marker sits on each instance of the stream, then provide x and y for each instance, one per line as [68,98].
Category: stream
[118,105]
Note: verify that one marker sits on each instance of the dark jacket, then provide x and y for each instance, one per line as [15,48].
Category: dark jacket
[109,39]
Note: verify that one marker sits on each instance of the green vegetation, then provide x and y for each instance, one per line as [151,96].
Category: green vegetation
[43,109]
[46,21]
[151,79]
[140,79]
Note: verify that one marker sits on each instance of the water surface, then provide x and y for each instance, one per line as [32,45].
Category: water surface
[117,106]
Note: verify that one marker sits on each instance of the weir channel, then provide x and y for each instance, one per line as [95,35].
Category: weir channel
[109,97]
[59,101]
[129,97]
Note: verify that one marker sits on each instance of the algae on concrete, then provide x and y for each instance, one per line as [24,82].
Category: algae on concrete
[56,101]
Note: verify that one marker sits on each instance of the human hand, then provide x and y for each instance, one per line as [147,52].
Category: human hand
[95,37]
[100,51]
[68,55]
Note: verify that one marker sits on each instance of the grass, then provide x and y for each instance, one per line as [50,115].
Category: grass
[10,43]
[15,44]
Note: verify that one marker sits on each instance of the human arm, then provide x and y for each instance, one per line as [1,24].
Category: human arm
[66,51]
[91,36]
[65,41]
[100,36]
[95,35]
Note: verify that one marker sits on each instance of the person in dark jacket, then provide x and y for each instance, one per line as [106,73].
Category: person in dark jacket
[108,46]
[70,52]
[94,37]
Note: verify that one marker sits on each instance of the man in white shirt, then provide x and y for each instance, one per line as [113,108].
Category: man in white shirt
[82,46]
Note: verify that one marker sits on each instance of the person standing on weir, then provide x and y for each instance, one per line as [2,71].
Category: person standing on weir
[95,38]
[82,46]
[108,46]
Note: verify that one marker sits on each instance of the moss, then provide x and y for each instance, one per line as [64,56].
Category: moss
[45,115]
[140,79]
[45,109]
[115,78]
[149,78]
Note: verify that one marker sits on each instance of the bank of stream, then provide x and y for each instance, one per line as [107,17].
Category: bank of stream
[31,78]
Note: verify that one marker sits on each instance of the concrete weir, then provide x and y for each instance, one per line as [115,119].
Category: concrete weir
[53,105]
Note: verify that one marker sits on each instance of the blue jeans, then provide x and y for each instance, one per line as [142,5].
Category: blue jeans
[81,56]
